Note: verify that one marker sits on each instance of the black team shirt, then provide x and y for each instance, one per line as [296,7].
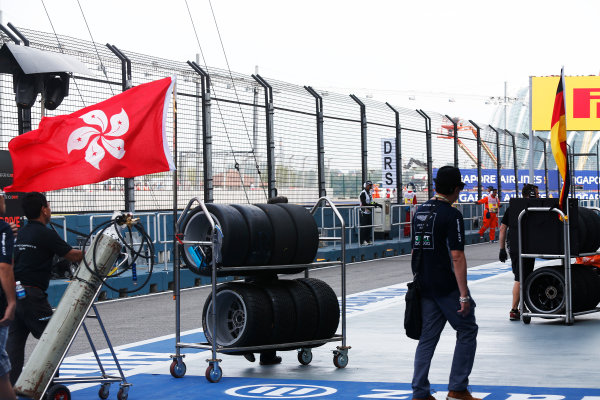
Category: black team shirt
[35,247]
[445,231]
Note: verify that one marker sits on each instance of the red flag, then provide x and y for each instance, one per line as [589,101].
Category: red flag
[558,140]
[123,136]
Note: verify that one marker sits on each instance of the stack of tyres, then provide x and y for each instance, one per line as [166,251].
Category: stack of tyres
[589,230]
[545,289]
[266,312]
[251,235]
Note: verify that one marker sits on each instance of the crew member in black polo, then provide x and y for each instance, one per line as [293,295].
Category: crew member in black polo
[34,250]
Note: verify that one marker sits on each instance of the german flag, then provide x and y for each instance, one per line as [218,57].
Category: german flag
[558,139]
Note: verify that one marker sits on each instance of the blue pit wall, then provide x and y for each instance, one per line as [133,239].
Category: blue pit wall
[160,227]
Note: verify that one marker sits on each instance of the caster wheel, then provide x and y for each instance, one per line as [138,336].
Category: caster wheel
[122,395]
[58,392]
[104,392]
[213,374]
[340,360]
[526,320]
[178,369]
[305,356]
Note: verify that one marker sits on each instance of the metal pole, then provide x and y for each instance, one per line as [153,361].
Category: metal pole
[531,161]
[598,168]
[126,84]
[399,183]
[478,158]
[198,112]
[498,163]
[271,183]
[320,140]
[429,152]
[545,166]
[206,133]
[455,124]
[363,137]
[515,167]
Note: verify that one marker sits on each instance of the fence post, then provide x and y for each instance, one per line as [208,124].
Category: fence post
[498,163]
[546,166]
[478,158]
[272,190]
[126,84]
[206,132]
[514,145]
[455,124]
[399,183]
[429,155]
[320,142]
[363,137]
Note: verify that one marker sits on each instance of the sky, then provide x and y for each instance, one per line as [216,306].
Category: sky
[432,51]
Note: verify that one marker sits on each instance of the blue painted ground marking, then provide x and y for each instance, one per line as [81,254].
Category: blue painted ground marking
[139,358]
[164,387]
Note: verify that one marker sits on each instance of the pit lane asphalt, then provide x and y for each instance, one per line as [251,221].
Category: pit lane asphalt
[145,317]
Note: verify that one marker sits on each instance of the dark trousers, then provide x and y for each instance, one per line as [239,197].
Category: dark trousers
[32,315]
[365,233]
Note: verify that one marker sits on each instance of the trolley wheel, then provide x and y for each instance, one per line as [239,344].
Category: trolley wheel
[526,320]
[340,360]
[122,395]
[213,374]
[178,369]
[58,392]
[305,356]
[104,391]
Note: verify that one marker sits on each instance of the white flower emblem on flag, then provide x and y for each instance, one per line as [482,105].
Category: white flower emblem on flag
[100,141]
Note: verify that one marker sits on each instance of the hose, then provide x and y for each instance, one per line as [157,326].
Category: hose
[130,223]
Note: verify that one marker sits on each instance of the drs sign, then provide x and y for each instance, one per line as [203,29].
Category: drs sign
[388,157]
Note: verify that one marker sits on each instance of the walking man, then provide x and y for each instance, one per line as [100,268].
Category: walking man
[35,247]
[445,296]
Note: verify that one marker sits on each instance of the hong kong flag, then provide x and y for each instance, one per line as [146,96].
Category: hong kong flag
[123,136]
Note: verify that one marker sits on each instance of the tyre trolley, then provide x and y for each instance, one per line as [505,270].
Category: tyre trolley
[553,290]
[58,390]
[214,371]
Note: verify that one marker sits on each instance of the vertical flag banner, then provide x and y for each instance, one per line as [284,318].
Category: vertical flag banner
[123,136]
[558,139]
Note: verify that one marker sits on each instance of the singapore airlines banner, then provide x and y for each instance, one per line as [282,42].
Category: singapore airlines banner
[586,183]
[582,102]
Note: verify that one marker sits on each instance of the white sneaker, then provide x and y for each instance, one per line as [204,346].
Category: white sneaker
[365,243]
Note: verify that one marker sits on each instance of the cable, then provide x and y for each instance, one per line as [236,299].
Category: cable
[237,98]
[95,48]
[236,165]
[135,253]
[60,46]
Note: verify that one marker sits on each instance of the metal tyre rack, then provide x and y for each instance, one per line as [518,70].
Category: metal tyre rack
[568,315]
[214,372]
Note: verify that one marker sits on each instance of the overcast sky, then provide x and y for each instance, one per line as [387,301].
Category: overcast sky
[434,50]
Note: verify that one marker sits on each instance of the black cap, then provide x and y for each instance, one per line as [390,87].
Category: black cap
[449,176]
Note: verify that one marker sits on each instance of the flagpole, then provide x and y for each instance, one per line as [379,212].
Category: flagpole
[531,160]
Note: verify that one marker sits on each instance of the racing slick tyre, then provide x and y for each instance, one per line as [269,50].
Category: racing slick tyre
[260,234]
[306,231]
[328,305]
[283,325]
[284,235]
[243,316]
[306,307]
[235,238]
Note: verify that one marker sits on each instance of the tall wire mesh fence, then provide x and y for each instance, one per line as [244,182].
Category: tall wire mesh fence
[240,147]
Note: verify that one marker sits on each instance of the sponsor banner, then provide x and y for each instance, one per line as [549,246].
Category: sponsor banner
[388,166]
[165,387]
[582,94]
